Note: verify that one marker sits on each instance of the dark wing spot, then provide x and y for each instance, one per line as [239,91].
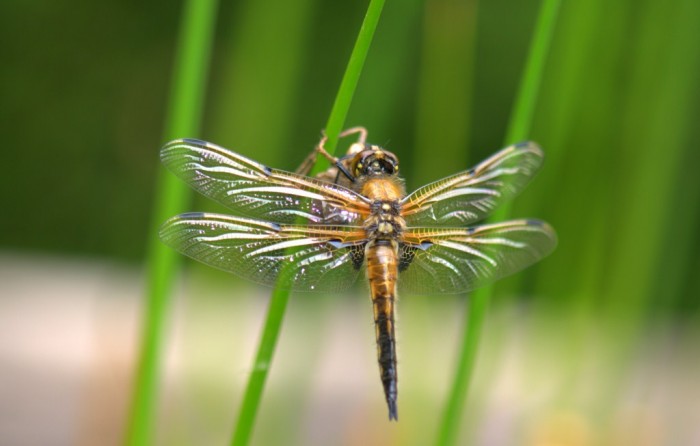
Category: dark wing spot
[406,255]
[358,255]
[196,142]
[533,222]
[194,215]
[408,252]
[357,252]
[425,245]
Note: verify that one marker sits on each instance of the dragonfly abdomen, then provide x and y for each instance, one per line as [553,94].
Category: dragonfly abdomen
[382,272]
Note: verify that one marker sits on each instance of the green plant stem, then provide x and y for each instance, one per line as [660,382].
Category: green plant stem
[280,297]
[184,117]
[518,129]
[341,105]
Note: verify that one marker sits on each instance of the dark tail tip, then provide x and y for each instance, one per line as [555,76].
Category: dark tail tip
[393,411]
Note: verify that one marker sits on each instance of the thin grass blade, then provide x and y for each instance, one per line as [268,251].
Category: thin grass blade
[184,117]
[518,129]
[280,297]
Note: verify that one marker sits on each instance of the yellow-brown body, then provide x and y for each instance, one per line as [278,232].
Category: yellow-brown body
[383,227]
[373,173]
[382,189]
[382,272]
[295,231]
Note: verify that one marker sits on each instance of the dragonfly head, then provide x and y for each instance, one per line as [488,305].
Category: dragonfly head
[373,160]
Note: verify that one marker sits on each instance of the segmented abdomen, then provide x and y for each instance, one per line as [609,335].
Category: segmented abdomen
[382,272]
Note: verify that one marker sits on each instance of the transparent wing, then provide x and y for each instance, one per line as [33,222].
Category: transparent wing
[471,195]
[459,260]
[253,189]
[311,258]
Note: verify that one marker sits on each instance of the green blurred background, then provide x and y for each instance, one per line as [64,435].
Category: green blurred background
[596,345]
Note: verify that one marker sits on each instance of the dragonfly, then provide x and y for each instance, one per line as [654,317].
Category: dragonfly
[319,233]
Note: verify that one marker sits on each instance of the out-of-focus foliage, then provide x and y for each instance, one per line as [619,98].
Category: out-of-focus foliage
[84,86]
[83,91]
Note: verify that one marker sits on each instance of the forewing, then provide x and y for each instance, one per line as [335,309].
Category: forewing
[255,190]
[306,258]
[459,260]
[471,195]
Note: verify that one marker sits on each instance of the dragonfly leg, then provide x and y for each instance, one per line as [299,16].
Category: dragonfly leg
[310,160]
[338,164]
[351,131]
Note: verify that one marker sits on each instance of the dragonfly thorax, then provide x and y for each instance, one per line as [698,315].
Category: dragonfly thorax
[385,221]
[314,234]
[382,188]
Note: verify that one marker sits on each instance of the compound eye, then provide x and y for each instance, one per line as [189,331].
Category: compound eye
[390,165]
[387,167]
[374,162]
[362,163]
[358,169]
[380,166]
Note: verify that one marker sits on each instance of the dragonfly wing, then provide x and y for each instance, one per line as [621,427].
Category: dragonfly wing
[253,189]
[458,260]
[301,258]
[471,195]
